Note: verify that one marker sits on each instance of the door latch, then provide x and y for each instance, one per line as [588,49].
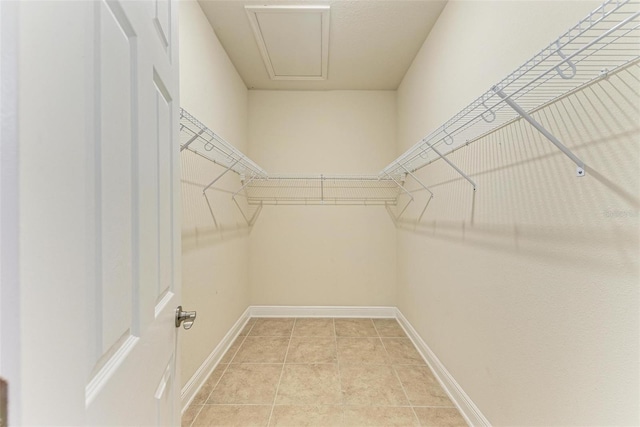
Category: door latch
[185,318]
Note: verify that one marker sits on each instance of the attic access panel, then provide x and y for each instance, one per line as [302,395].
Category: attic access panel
[293,40]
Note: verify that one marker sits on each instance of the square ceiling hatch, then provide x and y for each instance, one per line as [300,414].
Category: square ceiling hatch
[293,40]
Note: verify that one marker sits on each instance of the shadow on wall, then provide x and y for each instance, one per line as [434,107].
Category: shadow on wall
[528,194]
[214,218]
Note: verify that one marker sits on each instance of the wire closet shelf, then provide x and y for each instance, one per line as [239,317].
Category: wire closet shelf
[323,189]
[605,41]
[199,139]
[259,187]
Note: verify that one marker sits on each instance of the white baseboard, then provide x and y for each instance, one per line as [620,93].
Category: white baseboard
[194,384]
[464,403]
[321,311]
[469,410]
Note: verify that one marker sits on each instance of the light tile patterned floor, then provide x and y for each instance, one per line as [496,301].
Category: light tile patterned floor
[322,372]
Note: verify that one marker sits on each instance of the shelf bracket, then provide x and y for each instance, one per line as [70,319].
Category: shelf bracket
[415,178]
[215,222]
[254,217]
[193,138]
[542,130]
[227,169]
[464,175]
[404,190]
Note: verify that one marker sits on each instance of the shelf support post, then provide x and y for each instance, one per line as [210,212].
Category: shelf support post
[542,130]
[464,175]
[407,192]
[220,176]
[423,186]
[193,138]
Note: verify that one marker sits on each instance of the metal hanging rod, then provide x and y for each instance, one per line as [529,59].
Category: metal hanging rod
[604,41]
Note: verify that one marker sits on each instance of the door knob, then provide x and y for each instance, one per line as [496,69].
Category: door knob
[186,318]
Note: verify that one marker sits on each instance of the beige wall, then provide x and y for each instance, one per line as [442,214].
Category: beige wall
[528,293]
[322,255]
[215,278]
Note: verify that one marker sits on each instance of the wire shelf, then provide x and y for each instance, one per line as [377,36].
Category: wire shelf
[196,137]
[323,189]
[603,42]
[261,188]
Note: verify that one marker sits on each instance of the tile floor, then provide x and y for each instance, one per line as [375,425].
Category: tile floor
[322,372]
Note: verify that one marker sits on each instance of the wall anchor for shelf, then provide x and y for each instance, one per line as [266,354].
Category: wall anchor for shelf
[464,175]
[580,169]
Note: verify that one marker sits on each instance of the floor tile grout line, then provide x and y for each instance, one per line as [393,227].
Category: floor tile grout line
[284,361]
[225,370]
[342,403]
[194,418]
[406,395]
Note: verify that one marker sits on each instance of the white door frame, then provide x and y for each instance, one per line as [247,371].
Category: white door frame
[9,280]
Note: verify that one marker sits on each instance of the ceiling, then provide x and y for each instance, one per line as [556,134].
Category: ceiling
[371,42]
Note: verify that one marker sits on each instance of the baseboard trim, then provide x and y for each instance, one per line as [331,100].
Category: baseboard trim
[469,410]
[321,311]
[194,384]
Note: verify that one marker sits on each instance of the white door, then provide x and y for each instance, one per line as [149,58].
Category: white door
[99,259]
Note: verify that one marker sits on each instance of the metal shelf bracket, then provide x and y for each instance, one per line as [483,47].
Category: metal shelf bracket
[464,175]
[580,169]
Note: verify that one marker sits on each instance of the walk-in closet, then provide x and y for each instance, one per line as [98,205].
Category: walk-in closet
[483,188]
[320,213]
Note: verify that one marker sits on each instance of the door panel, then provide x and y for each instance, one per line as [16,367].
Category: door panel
[162,21]
[115,96]
[164,120]
[99,222]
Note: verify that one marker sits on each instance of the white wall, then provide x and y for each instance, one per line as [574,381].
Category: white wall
[322,255]
[528,293]
[214,260]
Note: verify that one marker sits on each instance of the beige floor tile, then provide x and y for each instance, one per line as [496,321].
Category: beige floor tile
[247,327]
[267,327]
[313,328]
[232,415]
[371,385]
[421,386]
[262,350]
[389,328]
[361,350]
[402,351]
[309,384]
[440,417]
[379,416]
[208,386]
[355,328]
[312,350]
[190,415]
[247,384]
[228,356]
[299,416]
